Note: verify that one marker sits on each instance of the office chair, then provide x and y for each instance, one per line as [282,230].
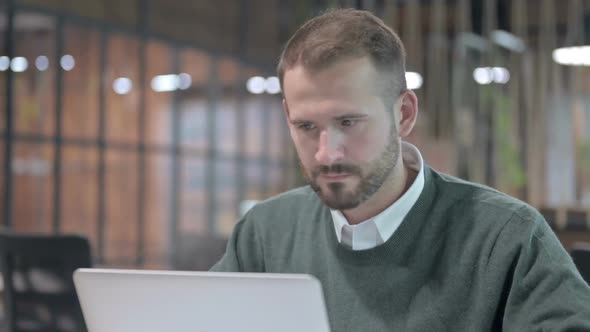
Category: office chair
[39,293]
[198,252]
[580,253]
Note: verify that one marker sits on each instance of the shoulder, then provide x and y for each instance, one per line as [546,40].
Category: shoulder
[286,209]
[292,200]
[293,196]
[498,225]
[483,204]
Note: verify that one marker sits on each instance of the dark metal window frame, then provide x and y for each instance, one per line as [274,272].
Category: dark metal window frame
[175,152]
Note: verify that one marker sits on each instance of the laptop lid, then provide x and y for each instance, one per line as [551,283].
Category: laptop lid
[142,300]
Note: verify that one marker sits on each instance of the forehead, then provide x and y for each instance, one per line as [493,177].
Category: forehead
[342,87]
[353,74]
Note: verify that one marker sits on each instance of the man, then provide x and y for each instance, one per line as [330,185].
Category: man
[396,244]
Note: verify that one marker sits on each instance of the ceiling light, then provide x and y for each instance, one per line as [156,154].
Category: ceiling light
[42,63]
[572,56]
[122,85]
[67,62]
[256,85]
[19,64]
[483,75]
[4,63]
[413,80]
[272,85]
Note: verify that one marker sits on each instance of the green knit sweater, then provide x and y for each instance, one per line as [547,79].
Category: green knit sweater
[466,258]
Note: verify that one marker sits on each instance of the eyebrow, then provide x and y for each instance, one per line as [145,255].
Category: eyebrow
[298,121]
[354,116]
[351,116]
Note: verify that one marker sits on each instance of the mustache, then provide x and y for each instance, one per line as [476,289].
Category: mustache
[336,169]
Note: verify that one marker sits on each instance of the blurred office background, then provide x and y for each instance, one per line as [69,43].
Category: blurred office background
[144,125]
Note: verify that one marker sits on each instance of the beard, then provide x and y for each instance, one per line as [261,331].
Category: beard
[337,196]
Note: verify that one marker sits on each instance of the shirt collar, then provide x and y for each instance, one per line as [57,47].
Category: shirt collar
[389,219]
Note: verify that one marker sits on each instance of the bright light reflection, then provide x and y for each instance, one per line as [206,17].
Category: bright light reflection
[165,83]
[184,81]
[256,85]
[4,63]
[501,75]
[42,63]
[19,64]
[67,62]
[483,75]
[122,85]
[572,56]
[414,80]
[487,75]
[272,85]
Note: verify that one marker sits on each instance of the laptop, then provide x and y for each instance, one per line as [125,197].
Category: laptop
[149,301]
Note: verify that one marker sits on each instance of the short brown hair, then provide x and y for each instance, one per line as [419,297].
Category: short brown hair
[340,34]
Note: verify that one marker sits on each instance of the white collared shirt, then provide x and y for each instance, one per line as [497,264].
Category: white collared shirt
[375,231]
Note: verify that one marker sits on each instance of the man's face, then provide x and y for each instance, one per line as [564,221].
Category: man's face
[346,139]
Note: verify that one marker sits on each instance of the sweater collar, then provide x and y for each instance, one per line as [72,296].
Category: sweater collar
[380,228]
[397,245]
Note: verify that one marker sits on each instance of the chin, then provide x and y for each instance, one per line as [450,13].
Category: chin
[339,195]
[346,201]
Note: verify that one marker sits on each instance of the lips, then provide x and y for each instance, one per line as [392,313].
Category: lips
[335,176]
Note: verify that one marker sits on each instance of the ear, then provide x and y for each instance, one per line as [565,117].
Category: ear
[408,111]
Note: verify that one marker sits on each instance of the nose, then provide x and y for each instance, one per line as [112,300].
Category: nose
[330,148]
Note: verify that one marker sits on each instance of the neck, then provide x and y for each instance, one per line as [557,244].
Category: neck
[397,183]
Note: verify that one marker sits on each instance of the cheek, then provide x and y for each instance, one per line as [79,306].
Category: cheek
[305,150]
[361,150]
[368,146]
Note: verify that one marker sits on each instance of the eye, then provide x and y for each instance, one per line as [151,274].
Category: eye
[306,126]
[347,123]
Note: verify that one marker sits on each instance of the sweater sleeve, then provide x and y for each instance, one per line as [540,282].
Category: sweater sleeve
[244,250]
[545,291]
